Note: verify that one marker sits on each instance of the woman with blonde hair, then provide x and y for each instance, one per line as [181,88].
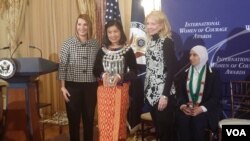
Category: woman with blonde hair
[160,70]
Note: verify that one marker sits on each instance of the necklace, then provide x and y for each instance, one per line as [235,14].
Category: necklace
[115,52]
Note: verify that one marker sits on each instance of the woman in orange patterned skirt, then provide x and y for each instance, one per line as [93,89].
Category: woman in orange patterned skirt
[115,66]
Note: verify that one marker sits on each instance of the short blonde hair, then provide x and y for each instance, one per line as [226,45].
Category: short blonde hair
[161,18]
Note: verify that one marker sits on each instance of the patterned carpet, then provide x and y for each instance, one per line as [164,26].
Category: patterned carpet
[62,137]
[52,134]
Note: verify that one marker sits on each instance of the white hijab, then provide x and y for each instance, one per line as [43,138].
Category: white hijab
[201,51]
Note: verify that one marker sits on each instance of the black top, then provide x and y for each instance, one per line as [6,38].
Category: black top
[211,95]
[130,64]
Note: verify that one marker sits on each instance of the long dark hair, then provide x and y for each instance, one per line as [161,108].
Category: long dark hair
[123,39]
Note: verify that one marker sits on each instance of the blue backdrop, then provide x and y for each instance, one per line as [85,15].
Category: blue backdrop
[223,26]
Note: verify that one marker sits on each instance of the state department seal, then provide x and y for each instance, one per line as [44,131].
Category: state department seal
[138,41]
[7,68]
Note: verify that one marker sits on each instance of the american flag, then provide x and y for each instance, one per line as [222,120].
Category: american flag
[112,11]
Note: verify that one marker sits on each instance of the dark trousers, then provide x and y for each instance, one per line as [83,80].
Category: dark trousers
[191,128]
[82,104]
[164,121]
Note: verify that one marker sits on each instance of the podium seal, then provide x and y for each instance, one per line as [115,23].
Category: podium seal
[7,68]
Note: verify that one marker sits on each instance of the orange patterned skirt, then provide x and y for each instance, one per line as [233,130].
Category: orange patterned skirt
[112,106]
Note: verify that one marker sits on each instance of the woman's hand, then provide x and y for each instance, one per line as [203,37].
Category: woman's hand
[191,111]
[196,111]
[163,102]
[110,81]
[66,94]
[105,79]
[186,110]
[116,79]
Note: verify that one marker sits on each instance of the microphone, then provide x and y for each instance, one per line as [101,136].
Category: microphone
[41,55]
[16,48]
[3,48]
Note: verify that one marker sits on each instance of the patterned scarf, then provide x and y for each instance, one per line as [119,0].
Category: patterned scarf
[155,78]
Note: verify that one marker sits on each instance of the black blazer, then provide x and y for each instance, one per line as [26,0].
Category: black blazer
[211,96]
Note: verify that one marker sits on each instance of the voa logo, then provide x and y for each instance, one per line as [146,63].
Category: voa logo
[236,132]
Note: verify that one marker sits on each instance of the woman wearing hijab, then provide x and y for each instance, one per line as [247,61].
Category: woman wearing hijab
[198,107]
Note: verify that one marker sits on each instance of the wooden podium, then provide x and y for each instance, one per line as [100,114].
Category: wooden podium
[22,119]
